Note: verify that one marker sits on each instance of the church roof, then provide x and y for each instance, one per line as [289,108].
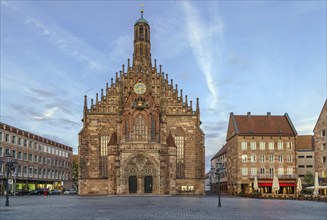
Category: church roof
[142,20]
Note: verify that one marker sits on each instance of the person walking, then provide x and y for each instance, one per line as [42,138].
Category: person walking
[45,193]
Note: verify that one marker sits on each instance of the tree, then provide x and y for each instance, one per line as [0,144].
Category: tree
[308,178]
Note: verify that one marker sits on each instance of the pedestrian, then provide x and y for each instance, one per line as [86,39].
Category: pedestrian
[45,192]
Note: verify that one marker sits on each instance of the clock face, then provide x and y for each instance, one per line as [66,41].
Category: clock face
[139,88]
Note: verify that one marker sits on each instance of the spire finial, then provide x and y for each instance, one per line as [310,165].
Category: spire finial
[142,10]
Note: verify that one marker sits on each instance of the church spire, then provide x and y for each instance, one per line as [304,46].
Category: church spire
[142,44]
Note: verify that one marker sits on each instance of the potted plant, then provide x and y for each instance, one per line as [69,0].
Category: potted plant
[301,197]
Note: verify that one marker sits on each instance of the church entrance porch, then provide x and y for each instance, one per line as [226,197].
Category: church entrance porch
[140,175]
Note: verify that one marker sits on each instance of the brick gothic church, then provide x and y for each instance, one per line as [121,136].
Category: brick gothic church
[140,136]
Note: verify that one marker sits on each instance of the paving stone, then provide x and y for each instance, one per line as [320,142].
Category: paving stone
[157,207]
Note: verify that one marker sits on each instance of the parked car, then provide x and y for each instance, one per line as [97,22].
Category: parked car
[23,192]
[70,192]
[55,192]
[37,192]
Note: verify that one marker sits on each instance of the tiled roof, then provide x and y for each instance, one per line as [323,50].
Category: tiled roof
[304,142]
[264,125]
[222,151]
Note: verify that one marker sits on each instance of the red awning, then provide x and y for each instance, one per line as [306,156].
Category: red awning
[287,184]
[265,184]
[280,184]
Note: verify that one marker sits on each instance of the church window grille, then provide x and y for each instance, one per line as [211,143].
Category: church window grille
[140,129]
[153,129]
[104,140]
[104,143]
[179,140]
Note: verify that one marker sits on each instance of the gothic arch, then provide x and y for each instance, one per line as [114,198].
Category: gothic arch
[104,130]
[104,137]
[141,165]
[141,161]
[179,131]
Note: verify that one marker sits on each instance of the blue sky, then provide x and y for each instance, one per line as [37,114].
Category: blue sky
[236,56]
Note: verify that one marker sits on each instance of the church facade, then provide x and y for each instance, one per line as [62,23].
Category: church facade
[140,135]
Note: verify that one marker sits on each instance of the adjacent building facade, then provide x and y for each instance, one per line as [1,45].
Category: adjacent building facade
[141,135]
[41,162]
[220,157]
[320,143]
[262,146]
[305,157]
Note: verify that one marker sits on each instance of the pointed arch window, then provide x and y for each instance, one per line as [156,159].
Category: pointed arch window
[180,162]
[153,129]
[104,140]
[140,128]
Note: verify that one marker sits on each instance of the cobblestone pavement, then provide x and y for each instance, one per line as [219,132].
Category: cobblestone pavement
[157,207]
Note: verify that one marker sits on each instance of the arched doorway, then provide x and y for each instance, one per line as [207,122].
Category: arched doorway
[148,183]
[132,184]
[140,175]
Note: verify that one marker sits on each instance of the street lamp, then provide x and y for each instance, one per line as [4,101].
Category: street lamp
[217,171]
[10,169]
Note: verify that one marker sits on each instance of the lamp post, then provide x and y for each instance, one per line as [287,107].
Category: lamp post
[217,171]
[10,169]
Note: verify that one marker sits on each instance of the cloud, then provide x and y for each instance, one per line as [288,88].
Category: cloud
[213,129]
[42,92]
[121,49]
[201,35]
[46,114]
[62,39]
[23,110]
[70,122]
